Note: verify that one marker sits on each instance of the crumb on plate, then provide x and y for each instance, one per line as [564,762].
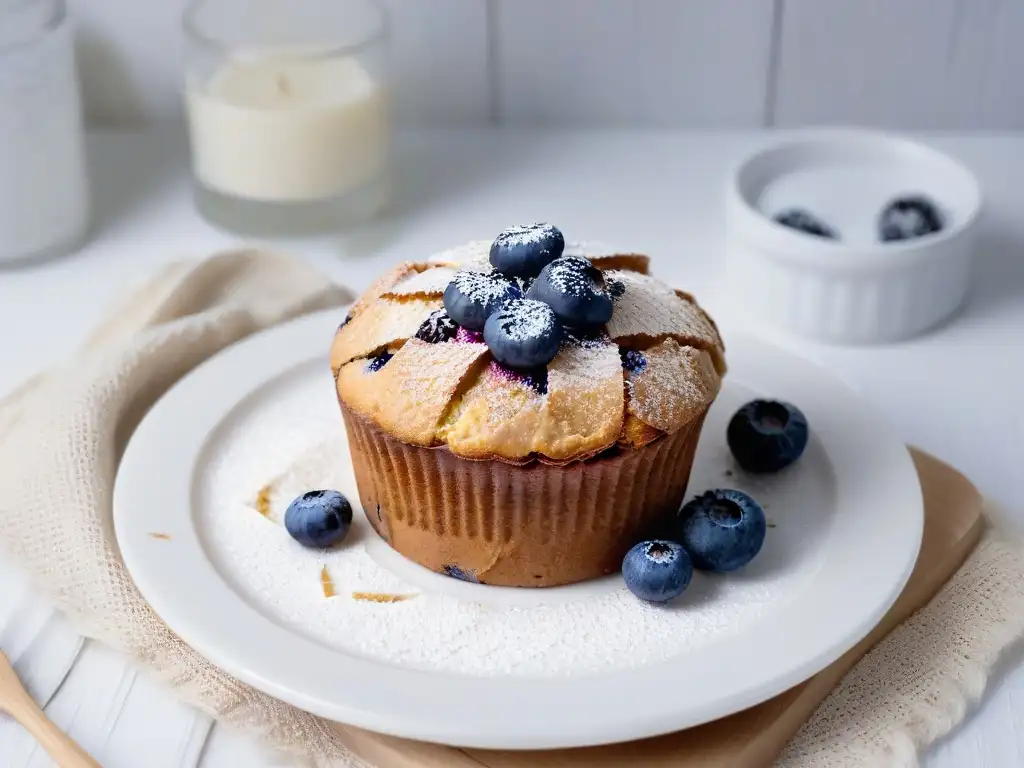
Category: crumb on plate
[380,597]
[327,583]
[161,536]
[263,500]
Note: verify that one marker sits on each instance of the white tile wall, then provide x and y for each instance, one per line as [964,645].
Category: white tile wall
[663,63]
[647,63]
[901,63]
[131,60]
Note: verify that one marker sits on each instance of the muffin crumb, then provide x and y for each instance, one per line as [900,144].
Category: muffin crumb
[161,536]
[380,597]
[263,500]
[327,583]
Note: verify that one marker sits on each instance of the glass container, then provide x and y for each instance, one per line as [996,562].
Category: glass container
[289,113]
[44,190]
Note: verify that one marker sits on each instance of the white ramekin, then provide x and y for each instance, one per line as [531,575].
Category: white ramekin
[842,292]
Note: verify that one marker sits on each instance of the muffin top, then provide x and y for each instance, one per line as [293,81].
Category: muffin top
[525,349]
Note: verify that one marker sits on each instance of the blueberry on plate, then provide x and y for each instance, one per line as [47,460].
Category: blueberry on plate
[767,435]
[318,518]
[722,530]
[523,334]
[471,297]
[524,251]
[908,217]
[806,222]
[575,289]
[438,327]
[657,570]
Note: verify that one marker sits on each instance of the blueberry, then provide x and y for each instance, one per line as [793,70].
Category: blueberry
[437,328]
[346,321]
[524,251]
[633,360]
[722,530]
[574,288]
[616,288]
[908,217]
[767,435]
[523,334]
[657,570]
[378,361]
[804,221]
[471,297]
[318,518]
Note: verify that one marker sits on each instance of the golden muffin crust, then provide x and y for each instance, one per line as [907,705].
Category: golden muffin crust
[656,367]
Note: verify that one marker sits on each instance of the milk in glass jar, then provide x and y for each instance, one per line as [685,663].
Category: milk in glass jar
[288,112]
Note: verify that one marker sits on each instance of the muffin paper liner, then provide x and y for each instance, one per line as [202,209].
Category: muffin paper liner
[532,525]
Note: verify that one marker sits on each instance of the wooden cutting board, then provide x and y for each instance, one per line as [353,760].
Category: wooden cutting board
[754,737]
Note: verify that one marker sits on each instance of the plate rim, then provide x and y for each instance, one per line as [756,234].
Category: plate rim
[191,596]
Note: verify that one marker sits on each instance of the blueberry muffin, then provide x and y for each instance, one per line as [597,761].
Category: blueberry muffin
[521,412]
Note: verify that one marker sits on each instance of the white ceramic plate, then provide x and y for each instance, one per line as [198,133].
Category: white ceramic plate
[531,668]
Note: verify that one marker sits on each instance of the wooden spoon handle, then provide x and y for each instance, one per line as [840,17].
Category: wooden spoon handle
[65,752]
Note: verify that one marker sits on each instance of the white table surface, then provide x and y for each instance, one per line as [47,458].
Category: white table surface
[954,392]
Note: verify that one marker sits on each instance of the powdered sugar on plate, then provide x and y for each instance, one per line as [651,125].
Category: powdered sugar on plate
[287,438]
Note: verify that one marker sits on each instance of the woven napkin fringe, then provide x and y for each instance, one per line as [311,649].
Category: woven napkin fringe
[62,434]
[918,683]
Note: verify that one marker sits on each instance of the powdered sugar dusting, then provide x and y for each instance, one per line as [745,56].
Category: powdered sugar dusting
[672,387]
[383,284]
[649,308]
[290,435]
[585,366]
[384,323]
[586,337]
[472,255]
[537,378]
[483,287]
[428,283]
[409,395]
[524,234]
[584,405]
[583,397]
[527,319]
[498,412]
[466,336]
[574,276]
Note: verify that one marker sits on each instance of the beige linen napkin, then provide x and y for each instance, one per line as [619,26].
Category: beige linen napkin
[63,432]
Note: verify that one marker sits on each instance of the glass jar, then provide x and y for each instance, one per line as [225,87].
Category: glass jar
[289,113]
[44,191]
